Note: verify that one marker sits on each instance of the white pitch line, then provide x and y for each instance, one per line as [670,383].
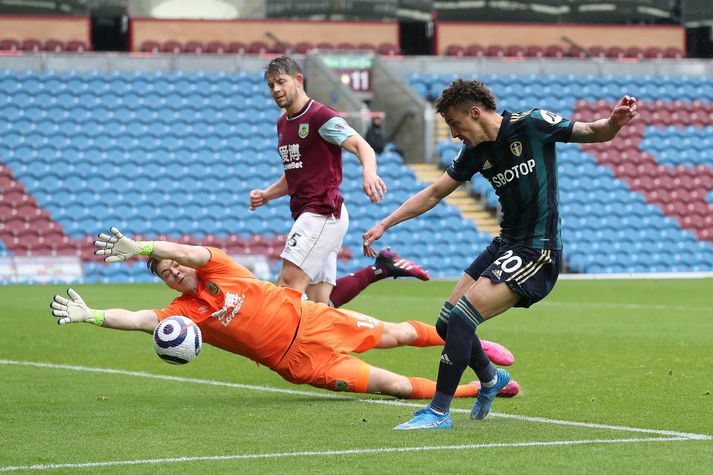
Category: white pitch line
[327,395]
[382,450]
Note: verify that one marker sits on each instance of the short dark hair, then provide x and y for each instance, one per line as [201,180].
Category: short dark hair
[152,265]
[282,65]
[464,93]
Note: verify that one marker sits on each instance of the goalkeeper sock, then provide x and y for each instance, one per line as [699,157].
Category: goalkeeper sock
[422,388]
[427,335]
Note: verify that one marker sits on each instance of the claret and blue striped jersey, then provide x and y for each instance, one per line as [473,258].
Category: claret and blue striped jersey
[521,164]
[310,147]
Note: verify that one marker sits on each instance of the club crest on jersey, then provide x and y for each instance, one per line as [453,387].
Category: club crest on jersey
[516,148]
[212,288]
[303,131]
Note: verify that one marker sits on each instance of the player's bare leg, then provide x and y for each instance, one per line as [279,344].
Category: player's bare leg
[293,277]
[397,334]
[319,292]
[464,284]
[491,299]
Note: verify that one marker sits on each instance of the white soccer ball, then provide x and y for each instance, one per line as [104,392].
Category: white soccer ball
[177,340]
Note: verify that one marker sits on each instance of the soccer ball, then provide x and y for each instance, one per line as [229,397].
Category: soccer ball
[177,340]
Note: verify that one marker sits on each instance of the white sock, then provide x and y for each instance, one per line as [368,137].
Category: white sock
[491,383]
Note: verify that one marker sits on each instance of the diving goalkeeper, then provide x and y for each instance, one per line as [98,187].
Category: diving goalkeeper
[304,342]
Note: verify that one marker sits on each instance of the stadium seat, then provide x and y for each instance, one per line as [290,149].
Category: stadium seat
[9,44]
[172,46]
[54,46]
[258,47]
[366,46]
[534,51]
[388,49]
[324,45]
[554,51]
[195,47]
[455,50]
[494,51]
[237,47]
[151,47]
[77,46]
[634,52]
[32,44]
[516,51]
[615,52]
[216,47]
[475,50]
[303,47]
[673,52]
[282,48]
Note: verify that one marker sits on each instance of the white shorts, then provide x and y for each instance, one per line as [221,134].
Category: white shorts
[313,244]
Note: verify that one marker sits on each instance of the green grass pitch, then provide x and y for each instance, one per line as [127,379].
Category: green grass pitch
[616,377]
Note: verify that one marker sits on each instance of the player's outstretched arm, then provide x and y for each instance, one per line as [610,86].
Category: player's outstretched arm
[604,130]
[374,187]
[75,310]
[117,248]
[418,204]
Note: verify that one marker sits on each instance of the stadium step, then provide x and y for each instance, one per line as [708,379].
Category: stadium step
[427,172]
[461,199]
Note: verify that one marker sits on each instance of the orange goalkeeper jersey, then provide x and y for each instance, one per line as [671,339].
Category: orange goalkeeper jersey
[238,312]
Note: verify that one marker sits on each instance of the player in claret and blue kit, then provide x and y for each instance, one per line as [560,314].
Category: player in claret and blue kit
[311,137]
[516,153]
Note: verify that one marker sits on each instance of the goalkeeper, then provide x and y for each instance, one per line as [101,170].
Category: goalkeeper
[304,342]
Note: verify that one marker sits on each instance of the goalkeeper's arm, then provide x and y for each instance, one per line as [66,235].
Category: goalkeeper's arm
[75,310]
[140,320]
[117,247]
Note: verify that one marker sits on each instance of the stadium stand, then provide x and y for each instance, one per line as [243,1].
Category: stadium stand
[560,51]
[56,34]
[177,154]
[159,143]
[296,35]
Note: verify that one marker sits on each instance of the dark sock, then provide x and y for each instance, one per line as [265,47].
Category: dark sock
[479,361]
[351,285]
[454,360]
[442,322]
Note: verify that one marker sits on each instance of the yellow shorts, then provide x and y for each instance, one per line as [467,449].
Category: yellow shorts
[320,357]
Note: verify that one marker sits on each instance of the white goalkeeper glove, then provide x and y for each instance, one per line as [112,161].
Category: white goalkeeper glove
[75,310]
[118,247]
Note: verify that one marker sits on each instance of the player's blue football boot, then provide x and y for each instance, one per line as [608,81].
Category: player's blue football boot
[427,419]
[484,402]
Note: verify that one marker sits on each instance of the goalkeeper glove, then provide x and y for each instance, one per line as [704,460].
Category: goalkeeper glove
[118,247]
[75,310]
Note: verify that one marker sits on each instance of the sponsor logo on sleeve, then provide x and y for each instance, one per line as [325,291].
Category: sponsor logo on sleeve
[550,117]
